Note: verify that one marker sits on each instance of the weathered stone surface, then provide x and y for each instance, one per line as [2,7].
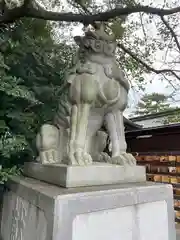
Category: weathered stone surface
[97,94]
[77,176]
[21,220]
[34,210]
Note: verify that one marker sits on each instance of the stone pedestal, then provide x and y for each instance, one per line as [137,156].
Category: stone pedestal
[81,176]
[34,210]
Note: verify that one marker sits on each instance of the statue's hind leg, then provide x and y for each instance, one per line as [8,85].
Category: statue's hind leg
[47,143]
[82,94]
[115,126]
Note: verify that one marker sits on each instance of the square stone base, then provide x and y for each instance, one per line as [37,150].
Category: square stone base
[91,175]
[34,210]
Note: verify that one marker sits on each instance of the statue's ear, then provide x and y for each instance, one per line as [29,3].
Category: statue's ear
[78,40]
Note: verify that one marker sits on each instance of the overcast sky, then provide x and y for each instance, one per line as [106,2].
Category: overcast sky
[154,82]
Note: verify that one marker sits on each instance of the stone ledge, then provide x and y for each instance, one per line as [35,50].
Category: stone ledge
[50,212]
[80,176]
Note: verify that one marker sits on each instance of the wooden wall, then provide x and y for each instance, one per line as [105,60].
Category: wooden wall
[158,149]
[162,139]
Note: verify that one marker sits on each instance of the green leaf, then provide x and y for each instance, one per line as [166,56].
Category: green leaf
[32,69]
[6,173]
[117,28]
[2,124]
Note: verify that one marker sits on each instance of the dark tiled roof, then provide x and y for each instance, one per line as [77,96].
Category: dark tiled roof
[155,115]
[165,129]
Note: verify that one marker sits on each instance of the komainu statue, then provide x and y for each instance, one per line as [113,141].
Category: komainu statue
[97,94]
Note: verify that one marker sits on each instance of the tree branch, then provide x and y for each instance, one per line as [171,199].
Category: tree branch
[142,25]
[170,82]
[158,71]
[171,31]
[10,15]
[28,10]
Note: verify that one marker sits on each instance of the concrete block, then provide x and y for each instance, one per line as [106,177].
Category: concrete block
[35,210]
[91,175]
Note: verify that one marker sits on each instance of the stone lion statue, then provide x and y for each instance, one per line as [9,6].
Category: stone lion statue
[97,93]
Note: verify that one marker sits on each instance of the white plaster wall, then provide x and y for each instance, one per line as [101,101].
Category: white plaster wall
[142,222]
[110,224]
[152,221]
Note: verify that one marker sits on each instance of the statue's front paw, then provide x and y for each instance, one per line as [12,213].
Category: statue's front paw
[49,156]
[104,157]
[79,157]
[124,159]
